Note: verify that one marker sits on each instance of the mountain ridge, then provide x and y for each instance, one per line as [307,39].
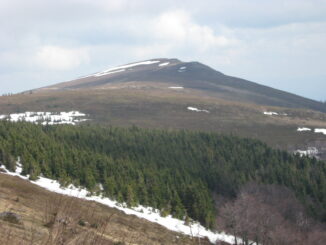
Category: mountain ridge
[192,75]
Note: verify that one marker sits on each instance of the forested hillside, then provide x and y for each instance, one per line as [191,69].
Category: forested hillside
[174,171]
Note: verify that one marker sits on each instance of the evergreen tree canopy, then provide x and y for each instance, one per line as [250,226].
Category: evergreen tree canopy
[174,171]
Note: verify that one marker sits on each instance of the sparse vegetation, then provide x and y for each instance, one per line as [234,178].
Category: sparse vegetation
[38,207]
[10,217]
[269,214]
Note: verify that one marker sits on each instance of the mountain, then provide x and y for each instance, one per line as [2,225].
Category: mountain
[170,94]
[192,75]
[176,137]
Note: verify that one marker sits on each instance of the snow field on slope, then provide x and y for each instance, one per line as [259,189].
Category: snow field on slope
[46,118]
[190,108]
[153,215]
[164,64]
[316,130]
[273,113]
[303,129]
[320,130]
[123,67]
[176,87]
[182,69]
[311,151]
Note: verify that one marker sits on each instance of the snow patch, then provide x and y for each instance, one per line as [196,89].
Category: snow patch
[270,113]
[273,113]
[122,68]
[316,130]
[107,73]
[46,118]
[310,152]
[320,130]
[148,213]
[182,69]
[164,64]
[176,87]
[190,108]
[303,129]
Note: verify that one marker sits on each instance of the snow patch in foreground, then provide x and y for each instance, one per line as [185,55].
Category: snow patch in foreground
[303,129]
[320,130]
[46,118]
[148,213]
[190,108]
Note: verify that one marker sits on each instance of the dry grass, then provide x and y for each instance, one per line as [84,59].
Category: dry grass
[155,106]
[50,218]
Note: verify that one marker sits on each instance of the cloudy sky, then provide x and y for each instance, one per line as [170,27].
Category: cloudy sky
[279,43]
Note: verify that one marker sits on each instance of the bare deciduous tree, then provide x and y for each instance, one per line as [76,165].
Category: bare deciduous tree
[268,215]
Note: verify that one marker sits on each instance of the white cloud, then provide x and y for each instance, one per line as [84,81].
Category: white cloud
[112,5]
[59,58]
[178,27]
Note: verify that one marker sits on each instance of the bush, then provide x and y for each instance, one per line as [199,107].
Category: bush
[81,223]
[10,217]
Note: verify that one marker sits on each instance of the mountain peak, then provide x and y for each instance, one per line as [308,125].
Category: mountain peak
[171,72]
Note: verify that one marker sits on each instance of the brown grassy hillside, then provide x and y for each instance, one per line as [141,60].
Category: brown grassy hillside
[155,106]
[50,218]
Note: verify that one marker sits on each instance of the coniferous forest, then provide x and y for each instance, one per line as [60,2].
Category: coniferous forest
[175,171]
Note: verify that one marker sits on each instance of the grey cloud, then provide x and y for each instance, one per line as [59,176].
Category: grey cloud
[274,42]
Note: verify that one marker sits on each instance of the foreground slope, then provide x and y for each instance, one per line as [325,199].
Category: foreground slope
[49,218]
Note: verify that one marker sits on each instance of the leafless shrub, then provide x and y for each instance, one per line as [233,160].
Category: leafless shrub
[64,222]
[268,214]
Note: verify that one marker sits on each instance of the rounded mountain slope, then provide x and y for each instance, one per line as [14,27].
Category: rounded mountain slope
[193,75]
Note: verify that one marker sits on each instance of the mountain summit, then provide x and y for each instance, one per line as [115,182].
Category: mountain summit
[190,75]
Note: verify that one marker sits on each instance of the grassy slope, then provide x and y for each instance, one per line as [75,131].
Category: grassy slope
[153,107]
[37,207]
[201,77]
